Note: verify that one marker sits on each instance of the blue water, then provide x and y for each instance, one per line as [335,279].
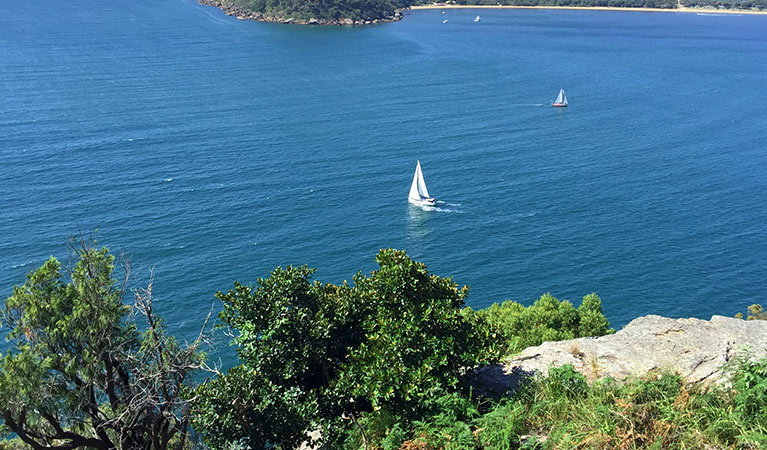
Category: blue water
[213,150]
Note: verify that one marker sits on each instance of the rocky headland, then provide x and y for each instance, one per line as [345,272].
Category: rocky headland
[698,350]
[247,14]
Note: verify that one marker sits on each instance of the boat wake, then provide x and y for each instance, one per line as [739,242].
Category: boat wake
[443,207]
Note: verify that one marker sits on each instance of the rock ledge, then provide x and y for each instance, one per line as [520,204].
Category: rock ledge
[695,349]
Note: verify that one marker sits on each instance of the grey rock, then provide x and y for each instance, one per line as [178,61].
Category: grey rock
[313,21]
[347,22]
[695,349]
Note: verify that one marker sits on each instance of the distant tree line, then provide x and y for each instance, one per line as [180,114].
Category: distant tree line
[663,4]
[667,4]
[323,10]
[335,11]
[727,4]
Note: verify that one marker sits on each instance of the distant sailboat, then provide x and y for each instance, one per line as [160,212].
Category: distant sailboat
[561,100]
[419,195]
[444,21]
[477,19]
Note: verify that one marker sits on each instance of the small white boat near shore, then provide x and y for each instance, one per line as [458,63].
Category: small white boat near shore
[419,195]
[477,19]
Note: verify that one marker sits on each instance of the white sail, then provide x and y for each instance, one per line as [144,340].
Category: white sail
[561,98]
[414,186]
[421,183]
[418,192]
[477,19]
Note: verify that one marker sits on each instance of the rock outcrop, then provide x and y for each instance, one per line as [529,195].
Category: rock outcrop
[695,349]
[246,14]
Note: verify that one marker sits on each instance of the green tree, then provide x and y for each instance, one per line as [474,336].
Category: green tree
[318,355]
[81,373]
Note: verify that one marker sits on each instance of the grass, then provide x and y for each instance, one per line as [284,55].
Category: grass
[564,411]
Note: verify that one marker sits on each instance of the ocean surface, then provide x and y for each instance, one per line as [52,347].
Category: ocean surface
[213,150]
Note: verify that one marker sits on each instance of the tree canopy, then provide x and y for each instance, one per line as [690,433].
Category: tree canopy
[318,355]
[82,371]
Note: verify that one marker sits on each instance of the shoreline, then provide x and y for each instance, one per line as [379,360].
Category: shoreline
[597,8]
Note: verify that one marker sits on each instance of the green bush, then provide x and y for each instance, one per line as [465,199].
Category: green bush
[755,312]
[750,384]
[313,353]
[547,319]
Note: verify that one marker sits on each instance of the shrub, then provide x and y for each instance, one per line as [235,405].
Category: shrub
[547,319]
[393,341]
[755,312]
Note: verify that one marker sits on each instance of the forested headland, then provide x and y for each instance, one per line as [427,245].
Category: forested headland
[360,12]
[387,361]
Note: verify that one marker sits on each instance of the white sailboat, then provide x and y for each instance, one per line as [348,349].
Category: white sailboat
[419,195]
[561,100]
[477,19]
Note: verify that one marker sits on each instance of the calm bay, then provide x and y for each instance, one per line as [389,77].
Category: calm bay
[211,150]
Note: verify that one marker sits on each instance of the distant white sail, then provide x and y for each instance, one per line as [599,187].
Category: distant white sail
[561,98]
[477,19]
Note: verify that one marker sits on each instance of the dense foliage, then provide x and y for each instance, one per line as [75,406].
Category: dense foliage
[319,355]
[663,4]
[561,411]
[81,373]
[579,3]
[547,319]
[327,10]
[334,11]
[727,4]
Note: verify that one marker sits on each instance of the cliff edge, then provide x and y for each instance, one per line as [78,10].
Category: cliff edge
[696,349]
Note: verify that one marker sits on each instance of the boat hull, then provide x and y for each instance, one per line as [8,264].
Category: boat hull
[422,202]
[557,105]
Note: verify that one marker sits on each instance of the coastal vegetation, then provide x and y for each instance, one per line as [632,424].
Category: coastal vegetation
[321,12]
[562,411]
[755,312]
[313,354]
[663,4]
[356,12]
[387,361]
[84,370]
[547,319]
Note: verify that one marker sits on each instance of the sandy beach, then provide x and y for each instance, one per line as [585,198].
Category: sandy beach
[596,8]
